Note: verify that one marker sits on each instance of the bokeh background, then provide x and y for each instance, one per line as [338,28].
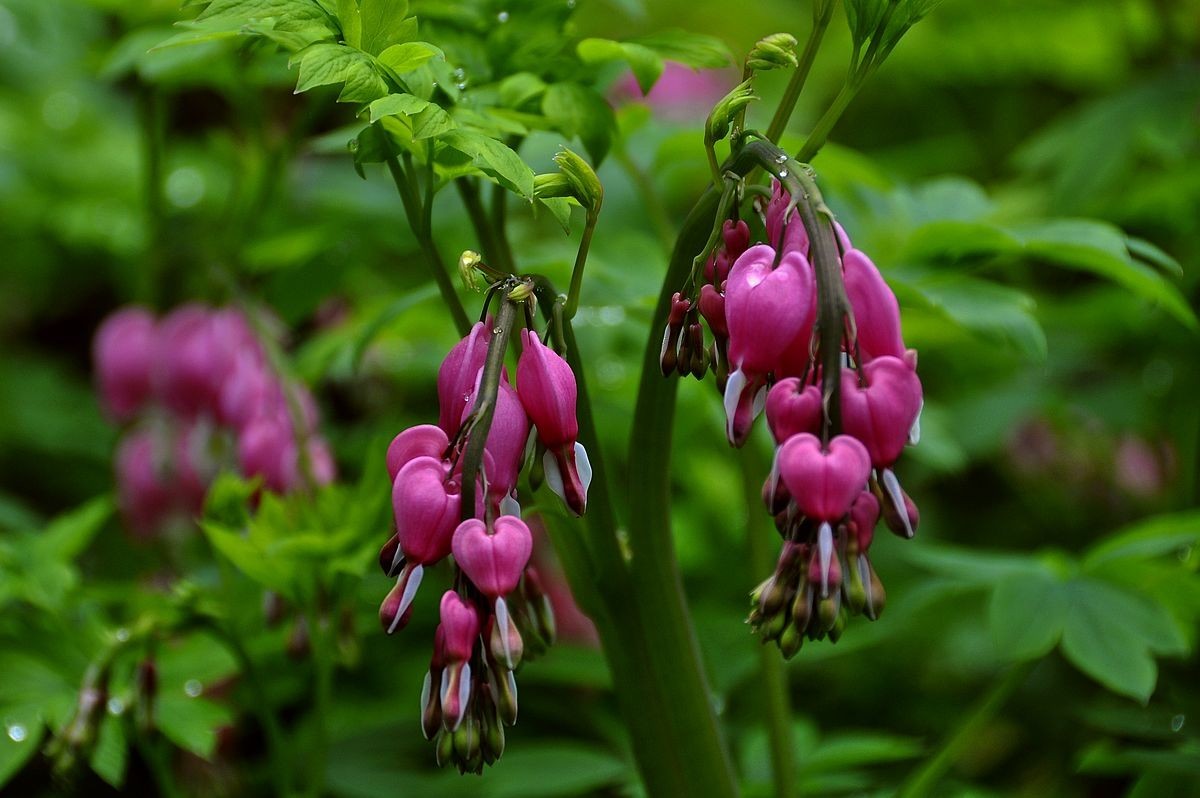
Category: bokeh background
[1025,173]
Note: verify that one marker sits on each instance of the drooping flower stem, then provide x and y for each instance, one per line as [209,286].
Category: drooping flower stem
[822,13]
[413,210]
[585,243]
[479,423]
[495,251]
[923,780]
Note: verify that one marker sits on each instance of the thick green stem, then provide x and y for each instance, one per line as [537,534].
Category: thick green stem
[922,781]
[820,132]
[698,757]
[822,13]
[413,210]
[774,684]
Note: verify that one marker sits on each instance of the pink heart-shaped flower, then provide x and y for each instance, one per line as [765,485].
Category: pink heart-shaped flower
[876,312]
[423,440]
[824,482]
[426,507]
[881,413]
[766,307]
[493,562]
[792,409]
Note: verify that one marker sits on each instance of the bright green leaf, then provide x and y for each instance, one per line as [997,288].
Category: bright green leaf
[350,19]
[577,110]
[384,23]
[1027,613]
[325,63]
[68,535]
[493,158]
[406,57]
[693,49]
[110,757]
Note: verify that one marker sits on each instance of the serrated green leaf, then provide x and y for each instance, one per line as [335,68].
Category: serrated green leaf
[384,23]
[408,56]
[1026,614]
[326,64]
[289,16]
[576,110]
[496,160]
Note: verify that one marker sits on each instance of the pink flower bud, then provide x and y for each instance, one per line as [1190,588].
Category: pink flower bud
[196,353]
[249,392]
[712,308]
[876,312]
[766,308]
[546,386]
[423,440]
[457,376]
[123,355]
[824,482]
[493,562]
[785,230]
[864,514]
[792,409]
[320,460]
[882,412]
[425,502]
[460,632]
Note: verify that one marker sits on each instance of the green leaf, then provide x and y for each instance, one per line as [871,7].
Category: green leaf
[1149,253]
[325,63]
[1099,248]
[992,311]
[644,62]
[408,56]
[972,566]
[1027,613]
[372,145]
[68,535]
[110,757]
[350,19]
[493,158]
[252,559]
[864,16]
[384,23]
[18,748]
[423,118]
[518,89]
[577,110]
[693,49]
[1111,635]
[559,208]
[191,723]
[1159,536]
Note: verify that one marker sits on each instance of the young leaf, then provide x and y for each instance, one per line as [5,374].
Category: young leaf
[69,534]
[644,62]
[350,18]
[518,89]
[384,23]
[325,63]
[494,159]
[406,57]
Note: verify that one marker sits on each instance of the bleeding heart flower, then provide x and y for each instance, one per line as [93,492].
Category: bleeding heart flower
[792,409]
[881,413]
[457,376]
[493,562]
[423,440]
[876,312]
[460,632]
[824,482]
[123,353]
[505,442]
[766,307]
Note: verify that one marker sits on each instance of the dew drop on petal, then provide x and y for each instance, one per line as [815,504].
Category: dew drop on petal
[502,16]
[16,732]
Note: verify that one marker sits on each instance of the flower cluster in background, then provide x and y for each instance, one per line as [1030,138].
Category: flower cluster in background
[832,478]
[497,613]
[196,392]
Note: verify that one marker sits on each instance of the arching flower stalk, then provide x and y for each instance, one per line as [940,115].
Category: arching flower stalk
[806,328]
[455,491]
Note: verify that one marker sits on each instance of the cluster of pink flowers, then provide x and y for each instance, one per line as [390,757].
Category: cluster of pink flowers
[832,477]
[497,613]
[196,391]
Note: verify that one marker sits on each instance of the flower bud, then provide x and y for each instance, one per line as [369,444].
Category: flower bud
[876,312]
[669,357]
[457,376]
[123,355]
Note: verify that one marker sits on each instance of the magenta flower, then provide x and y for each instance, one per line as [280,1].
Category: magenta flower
[792,409]
[458,375]
[144,489]
[546,386]
[123,353]
[876,312]
[263,451]
[460,632]
[505,445]
[824,481]
[882,412]
[784,228]
[250,391]
[680,93]
[494,563]
[423,440]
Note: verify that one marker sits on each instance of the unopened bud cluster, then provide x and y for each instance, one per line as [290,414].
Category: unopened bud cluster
[832,477]
[195,389]
[497,614]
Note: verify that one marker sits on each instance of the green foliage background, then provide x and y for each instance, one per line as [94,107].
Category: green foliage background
[1025,173]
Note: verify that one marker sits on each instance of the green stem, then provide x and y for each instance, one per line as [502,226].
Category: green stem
[698,754]
[820,132]
[153,118]
[822,13]
[323,665]
[494,252]
[585,243]
[413,210]
[774,683]
[480,421]
[922,781]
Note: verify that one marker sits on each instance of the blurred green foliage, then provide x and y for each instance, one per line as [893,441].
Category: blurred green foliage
[1025,172]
